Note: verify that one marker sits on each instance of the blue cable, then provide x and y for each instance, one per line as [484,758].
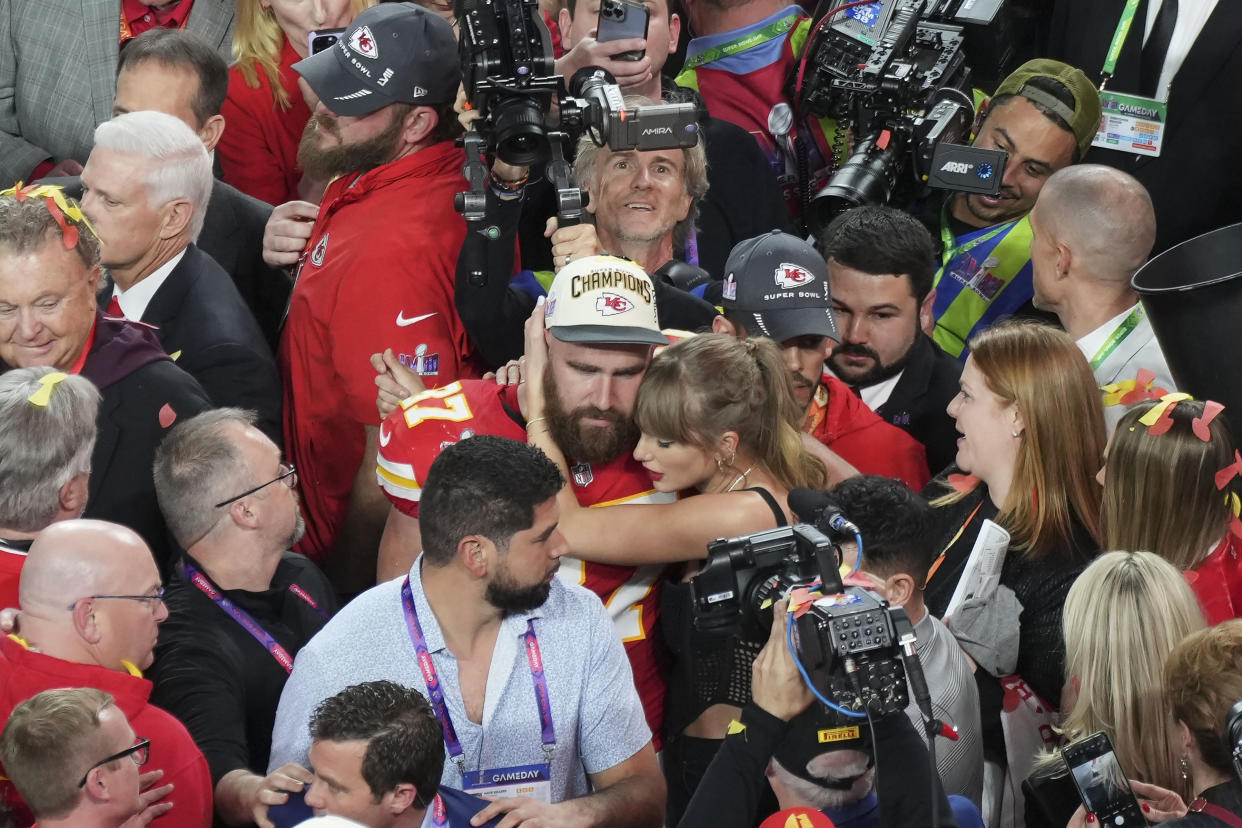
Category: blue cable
[857,558]
[805,677]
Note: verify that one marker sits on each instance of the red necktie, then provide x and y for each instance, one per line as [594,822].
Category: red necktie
[114,308]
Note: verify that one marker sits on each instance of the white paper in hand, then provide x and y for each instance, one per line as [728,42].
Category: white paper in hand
[983,568]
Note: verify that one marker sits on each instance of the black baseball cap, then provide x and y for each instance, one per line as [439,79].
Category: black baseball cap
[391,53]
[778,285]
[816,731]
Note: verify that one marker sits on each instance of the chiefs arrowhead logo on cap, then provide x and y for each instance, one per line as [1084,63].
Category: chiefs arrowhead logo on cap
[792,276]
[610,304]
[362,42]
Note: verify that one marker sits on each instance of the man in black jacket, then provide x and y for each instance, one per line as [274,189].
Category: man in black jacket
[147,182]
[1190,59]
[240,603]
[880,267]
[49,271]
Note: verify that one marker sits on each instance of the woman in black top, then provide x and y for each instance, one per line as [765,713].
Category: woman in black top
[1032,441]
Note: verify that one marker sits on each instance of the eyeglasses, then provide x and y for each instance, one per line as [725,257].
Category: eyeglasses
[288,475]
[140,752]
[158,595]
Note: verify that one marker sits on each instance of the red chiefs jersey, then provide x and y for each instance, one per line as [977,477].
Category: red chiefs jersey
[415,434]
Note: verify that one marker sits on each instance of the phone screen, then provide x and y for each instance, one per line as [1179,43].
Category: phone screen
[1102,782]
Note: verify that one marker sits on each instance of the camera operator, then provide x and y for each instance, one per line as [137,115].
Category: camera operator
[642,203]
[897,552]
[742,198]
[778,737]
[1044,115]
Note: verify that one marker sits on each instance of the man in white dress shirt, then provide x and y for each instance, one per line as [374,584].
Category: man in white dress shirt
[1093,228]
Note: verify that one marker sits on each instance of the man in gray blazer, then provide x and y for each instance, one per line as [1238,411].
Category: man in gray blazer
[58,76]
[1093,228]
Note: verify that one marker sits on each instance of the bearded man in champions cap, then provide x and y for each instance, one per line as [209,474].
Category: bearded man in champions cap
[602,323]
[377,271]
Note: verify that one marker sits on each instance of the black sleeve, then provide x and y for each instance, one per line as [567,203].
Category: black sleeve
[904,778]
[730,789]
[492,311]
[243,376]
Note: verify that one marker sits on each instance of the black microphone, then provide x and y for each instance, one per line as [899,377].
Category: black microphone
[821,509]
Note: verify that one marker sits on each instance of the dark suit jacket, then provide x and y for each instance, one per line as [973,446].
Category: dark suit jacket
[205,326]
[143,395]
[232,234]
[1196,183]
[917,404]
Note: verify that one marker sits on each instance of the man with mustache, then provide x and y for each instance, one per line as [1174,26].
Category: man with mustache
[377,270]
[1044,116]
[602,332]
[880,267]
[776,285]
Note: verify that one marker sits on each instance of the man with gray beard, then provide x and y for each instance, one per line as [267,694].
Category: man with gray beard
[240,603]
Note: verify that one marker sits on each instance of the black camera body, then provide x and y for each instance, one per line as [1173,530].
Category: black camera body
[849,639]
[509,75]
[900,82]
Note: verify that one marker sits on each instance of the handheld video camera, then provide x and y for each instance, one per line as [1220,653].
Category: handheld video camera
[850,640]
[900,82]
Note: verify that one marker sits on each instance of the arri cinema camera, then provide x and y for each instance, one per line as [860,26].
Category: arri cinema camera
[849,640]
[894,72]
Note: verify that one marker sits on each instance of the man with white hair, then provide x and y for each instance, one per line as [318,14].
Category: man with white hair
[146,187]
[47,434]
[1092,228]
[91,608]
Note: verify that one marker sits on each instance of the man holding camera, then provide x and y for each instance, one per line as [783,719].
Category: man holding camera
[1044,115]
[377,270]
[742,199]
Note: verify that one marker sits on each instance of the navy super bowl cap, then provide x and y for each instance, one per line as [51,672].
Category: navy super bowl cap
[778,285]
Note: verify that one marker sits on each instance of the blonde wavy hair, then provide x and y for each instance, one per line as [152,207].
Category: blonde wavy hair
[1203,677]
[1160,490]
[1041,371]
[258,41]
[1123,617]
[703,386]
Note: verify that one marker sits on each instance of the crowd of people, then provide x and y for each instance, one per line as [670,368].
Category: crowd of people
[322,501]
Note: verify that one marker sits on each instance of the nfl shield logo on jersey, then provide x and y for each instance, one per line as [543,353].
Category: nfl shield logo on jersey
[582,474]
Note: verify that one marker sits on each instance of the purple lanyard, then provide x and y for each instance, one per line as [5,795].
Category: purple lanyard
[246,619]
[432,679]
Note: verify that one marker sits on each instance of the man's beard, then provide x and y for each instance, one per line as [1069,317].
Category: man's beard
[878,371]
[358,157]
[588,444]
[299,529]
[505,595]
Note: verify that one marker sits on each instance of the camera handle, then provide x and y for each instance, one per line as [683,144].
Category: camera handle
[472,204]
[571,200]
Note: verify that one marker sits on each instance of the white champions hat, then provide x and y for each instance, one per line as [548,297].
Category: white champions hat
[603,300]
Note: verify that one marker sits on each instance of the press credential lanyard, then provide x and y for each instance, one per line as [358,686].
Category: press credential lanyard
[247,621]
[436,692]
[1119,40]
[1117,337]
[947,238]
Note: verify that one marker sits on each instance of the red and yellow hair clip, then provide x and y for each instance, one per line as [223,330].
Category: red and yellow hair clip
[1223,478]
[66,213]
[1159,419]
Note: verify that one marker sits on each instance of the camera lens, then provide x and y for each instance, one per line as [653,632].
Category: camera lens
[520,138]
[868,177]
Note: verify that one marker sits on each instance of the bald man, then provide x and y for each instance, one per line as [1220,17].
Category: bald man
[1092,228]
[91,608]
